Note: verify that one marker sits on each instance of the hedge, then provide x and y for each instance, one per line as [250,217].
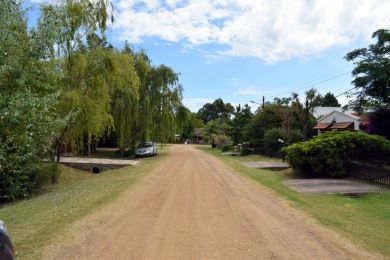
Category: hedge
[326,155]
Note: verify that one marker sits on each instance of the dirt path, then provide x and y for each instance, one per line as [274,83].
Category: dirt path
[195,207]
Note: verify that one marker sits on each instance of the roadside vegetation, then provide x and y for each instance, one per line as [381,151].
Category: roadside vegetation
[365,219]
[327,155]
[35,222]
[65,89]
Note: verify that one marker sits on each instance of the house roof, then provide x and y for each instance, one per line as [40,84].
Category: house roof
[197,132]
[341,125]
[352,117]
[320,112]
[363,119]
[322,125]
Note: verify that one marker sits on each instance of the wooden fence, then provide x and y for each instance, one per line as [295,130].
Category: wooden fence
[369,173]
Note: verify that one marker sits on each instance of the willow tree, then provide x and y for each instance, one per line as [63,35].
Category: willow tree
[91,98]
[71,24]
[166,95]
[142,131]
[125,87]
[183,119]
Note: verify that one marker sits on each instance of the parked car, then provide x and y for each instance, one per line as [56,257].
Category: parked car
[6,248]
[146,149]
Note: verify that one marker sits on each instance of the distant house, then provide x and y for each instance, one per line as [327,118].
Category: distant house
[320,112]
[197,136]
[337,120]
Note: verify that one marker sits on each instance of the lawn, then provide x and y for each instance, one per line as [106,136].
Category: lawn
[364,220]
[35,222]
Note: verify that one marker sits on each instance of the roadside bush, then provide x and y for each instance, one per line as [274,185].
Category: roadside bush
[295,136]
[274,140]
[222,140]
[226,148]
[246,151]
[327,154]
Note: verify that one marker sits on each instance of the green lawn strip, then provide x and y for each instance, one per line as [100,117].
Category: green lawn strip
[35,222]
[365,220]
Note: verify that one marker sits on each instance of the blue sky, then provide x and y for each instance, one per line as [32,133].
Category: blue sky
[240,50]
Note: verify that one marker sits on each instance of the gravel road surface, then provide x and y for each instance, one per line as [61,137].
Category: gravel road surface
[195,207]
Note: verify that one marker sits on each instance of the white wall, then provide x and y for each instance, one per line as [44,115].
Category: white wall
[340,118]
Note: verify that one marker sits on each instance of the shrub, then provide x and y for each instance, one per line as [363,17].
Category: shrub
[246,151]
[327,154]
[274,140]
[222,140]
[295,136]
[226,148]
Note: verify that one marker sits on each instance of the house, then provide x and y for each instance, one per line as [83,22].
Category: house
[320,112]
[338,120]
[197,136]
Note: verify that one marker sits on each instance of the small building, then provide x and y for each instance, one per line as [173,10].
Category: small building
[197,136]
[337,120]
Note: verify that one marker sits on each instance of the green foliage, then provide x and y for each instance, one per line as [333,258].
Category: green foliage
[218,110]
[28,120]
[372,71]
[240,124]
[274,140]
[216,131]
[245,152]
[62,85]
[196,122]
[326,155]
[226,148]
[292,116]
[329,100]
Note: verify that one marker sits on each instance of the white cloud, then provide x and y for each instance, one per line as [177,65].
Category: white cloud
[194,104]
[252,91]
[270,30]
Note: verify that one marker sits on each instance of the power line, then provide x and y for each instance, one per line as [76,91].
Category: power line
[326,75]
[345,92]
[316,82]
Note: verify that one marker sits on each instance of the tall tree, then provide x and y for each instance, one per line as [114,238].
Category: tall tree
[312,100]
[372,71]
[218,110]
[28,120]
[125,86]
[329,100]
[242,117]
[76,36]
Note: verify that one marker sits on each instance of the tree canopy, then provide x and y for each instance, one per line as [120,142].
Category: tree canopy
[329,100]
[218,110]
[64,87]
[372,71]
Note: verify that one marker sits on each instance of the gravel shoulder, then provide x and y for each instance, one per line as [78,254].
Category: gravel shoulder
[195,207]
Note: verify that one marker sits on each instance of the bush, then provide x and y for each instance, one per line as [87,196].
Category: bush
[226,148]
[274,140]
[327,154]
[246,151]
[295,136]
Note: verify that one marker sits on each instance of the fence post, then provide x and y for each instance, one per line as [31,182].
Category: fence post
[369,175]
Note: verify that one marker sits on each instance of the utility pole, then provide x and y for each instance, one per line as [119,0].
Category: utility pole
[263,103]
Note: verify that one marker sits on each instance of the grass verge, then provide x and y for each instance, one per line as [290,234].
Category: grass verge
[35,222]
[364,220]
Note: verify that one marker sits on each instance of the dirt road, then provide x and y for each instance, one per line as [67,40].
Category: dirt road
[195,207]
